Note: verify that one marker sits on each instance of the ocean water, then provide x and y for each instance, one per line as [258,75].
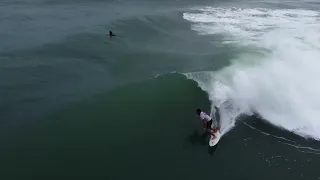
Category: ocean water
[76,104]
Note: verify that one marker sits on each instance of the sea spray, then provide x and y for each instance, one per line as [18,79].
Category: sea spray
[283,87]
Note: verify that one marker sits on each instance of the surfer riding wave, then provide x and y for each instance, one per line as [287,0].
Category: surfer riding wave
[207,122]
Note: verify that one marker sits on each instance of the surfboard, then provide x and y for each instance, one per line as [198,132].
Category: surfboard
[214,140]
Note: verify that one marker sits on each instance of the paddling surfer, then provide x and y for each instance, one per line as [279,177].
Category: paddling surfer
[111,34]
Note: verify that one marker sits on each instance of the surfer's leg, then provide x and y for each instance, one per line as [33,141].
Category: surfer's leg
[212,133]
[210,129]
[209,123]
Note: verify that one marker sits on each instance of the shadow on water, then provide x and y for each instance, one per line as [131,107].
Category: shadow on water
[197,139]
[212,150]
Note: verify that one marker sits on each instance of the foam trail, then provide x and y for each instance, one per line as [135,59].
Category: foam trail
[282,86]
[267,134]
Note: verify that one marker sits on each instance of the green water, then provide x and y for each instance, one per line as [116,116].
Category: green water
[105,136]
[76,104]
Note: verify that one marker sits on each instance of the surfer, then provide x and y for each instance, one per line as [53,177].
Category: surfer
[207,122]
[111,34]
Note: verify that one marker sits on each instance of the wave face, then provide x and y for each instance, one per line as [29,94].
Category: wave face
[277,74]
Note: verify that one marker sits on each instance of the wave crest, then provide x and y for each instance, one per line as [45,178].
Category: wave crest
[283,87]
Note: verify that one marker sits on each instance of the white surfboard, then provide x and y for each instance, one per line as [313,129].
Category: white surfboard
[214,140]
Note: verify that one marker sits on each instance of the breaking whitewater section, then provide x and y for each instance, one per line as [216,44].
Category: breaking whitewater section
[280,84]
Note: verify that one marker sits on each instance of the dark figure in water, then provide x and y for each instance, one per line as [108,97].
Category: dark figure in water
[111,34]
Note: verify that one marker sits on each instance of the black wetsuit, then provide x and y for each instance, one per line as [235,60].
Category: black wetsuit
[111,34]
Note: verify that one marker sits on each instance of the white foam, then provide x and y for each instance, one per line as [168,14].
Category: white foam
[284,87]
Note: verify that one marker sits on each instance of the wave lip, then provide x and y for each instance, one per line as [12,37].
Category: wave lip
[283,87]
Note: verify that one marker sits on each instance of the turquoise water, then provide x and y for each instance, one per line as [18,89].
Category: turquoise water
[78,104]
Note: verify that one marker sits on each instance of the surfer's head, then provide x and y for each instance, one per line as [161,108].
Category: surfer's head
[198,111]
